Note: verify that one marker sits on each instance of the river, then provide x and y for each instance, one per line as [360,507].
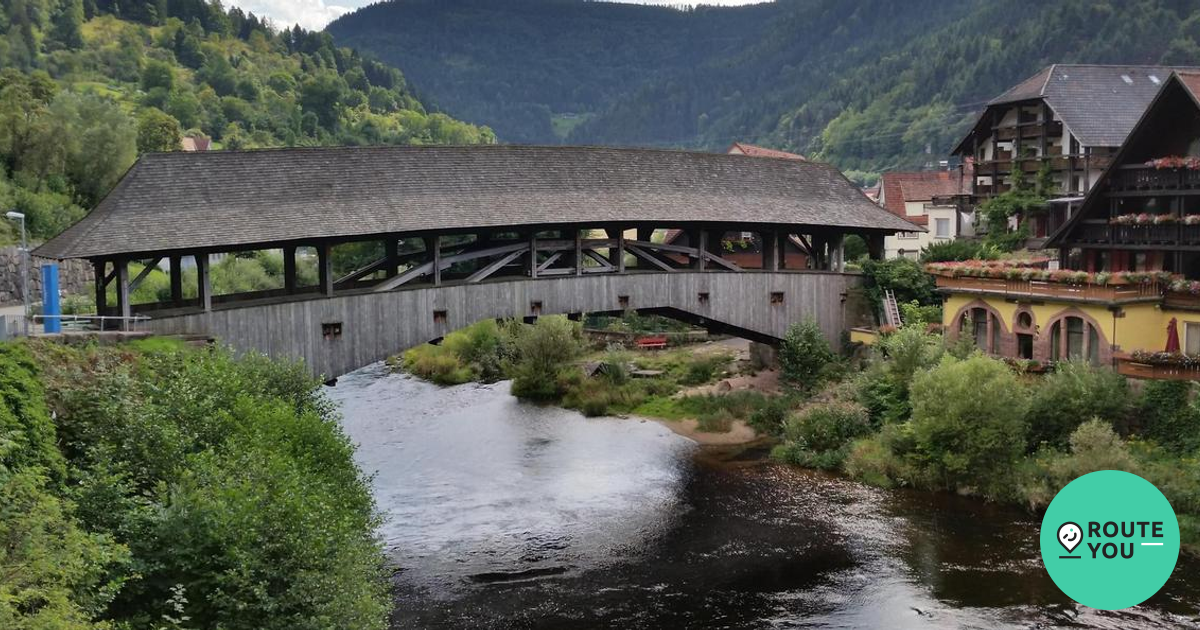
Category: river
[501,514]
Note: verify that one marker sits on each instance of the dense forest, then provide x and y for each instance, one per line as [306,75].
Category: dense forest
[87,85]
[866,84]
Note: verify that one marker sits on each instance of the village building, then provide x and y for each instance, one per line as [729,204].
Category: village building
[1069,119]
[928,199]
[1128,290]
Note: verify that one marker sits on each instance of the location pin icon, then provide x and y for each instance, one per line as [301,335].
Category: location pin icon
[1069,536]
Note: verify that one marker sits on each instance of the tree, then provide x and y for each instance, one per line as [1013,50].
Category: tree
[157,74]
[321,95]
[158,132]
[66,26]
[968,424]
[803,355]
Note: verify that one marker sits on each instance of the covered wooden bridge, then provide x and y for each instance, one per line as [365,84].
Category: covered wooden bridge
[409,243]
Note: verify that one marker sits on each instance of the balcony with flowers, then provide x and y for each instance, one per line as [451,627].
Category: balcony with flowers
[1173,172]
[1030,279]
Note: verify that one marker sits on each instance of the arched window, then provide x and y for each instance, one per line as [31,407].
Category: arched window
[1074,339]
[983,327]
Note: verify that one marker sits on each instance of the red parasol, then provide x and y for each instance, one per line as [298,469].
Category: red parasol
[1173,336]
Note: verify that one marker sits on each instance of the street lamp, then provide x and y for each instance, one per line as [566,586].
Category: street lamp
[17,216]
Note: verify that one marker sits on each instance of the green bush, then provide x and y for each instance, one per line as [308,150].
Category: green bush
[703,369]
[968,425]
[804,355]
[820,435]
[905,277]
[1168,417]
[1093,446]
[769,418]
[1076,391]
[56,574]
[437,364]
[230,482]
[543,351]
[958,250]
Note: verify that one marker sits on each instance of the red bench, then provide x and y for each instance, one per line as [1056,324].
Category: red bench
[652,343]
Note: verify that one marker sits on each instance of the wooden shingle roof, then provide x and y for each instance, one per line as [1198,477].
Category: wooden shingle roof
[237,199]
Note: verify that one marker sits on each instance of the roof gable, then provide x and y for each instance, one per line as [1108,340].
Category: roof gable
[1179,82]
[742,148]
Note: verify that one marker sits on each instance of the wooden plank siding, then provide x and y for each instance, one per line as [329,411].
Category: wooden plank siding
[374,326]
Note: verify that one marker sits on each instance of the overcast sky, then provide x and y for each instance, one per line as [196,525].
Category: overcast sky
[315,14]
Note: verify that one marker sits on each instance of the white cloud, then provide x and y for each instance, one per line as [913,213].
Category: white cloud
[309,14]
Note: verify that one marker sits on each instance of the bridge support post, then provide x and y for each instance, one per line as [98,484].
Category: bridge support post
[176,263]
[770,250]
[616,255]
[644,234]
[203,282]
[837,253]
[533,261]
[325,269]
[100,269]
[699,240]
[578,252]
[289,269]
[391,250]
[123,305]
[433,246]
[875,248]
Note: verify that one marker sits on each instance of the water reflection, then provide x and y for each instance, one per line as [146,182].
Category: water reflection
[505,515]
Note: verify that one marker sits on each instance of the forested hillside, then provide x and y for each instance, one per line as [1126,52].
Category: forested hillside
[866,84]
[87,85]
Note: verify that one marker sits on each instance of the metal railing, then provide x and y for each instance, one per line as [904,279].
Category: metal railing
[11,326]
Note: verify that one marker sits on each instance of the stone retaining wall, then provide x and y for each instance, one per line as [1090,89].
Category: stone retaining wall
[74,276]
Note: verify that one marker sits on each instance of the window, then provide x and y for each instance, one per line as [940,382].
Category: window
[439,317]
[331,330]
[702,297]
[535,307]
[942,228]
[1025,346]
[777,297]
[623,301]
[1071,338]
[1191,338]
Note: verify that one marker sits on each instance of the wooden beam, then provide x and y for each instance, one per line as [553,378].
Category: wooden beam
[325,269]
[495,265]
[645,255]
[433,245]
[720,261]
[204,282]
[578,252]
[146,270]
[549,261]
[358,274]
[699,240]
[413,273]
[601,260]
[391,253]
[100,279]
[289,269]
[176,263]
[533,249]
[123,305]
[770,250]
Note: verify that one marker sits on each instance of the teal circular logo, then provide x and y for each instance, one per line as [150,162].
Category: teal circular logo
[1110,540]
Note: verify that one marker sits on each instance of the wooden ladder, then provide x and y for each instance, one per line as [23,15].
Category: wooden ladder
[891,310]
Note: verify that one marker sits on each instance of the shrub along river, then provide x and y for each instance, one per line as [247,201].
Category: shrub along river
[501,514]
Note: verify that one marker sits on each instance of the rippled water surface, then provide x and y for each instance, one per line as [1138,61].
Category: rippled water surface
[506,515]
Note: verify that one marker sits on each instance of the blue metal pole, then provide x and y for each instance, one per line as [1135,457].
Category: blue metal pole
[51,310]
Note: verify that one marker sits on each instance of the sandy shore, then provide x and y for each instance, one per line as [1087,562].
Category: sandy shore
[739,432]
